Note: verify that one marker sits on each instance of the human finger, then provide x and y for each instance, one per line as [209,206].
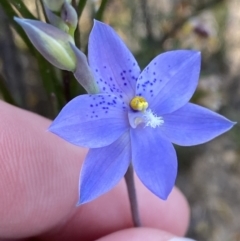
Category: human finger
[39,185]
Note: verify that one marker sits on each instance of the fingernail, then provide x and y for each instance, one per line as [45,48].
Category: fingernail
[181,239]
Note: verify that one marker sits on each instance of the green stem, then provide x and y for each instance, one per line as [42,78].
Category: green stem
[129,178]
[99,13]
[80,7]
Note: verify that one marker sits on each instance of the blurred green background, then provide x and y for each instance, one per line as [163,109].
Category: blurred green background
[209,174]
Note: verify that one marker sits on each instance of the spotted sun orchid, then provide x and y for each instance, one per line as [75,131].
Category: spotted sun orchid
[136,116]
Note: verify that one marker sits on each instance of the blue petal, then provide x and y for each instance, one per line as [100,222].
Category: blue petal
[92,120]
[154,160]
[103,169]
[114,67]
[170,80]
[193,125]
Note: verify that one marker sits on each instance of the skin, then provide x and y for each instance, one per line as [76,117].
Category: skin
[39,190]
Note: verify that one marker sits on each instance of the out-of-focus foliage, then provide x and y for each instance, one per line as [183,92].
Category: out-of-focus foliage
[148,27]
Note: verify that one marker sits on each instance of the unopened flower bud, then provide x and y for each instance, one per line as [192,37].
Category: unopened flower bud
[69,16]
[55,5]
[51,42]
[55,20]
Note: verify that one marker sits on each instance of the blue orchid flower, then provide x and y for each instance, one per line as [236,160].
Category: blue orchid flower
[136,116]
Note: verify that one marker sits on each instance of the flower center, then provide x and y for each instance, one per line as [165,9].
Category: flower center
[152,119]
[143,114]
[138,103]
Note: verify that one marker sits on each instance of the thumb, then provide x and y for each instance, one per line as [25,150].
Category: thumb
[138,234]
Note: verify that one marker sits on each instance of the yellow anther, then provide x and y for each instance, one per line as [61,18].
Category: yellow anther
[138,103]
